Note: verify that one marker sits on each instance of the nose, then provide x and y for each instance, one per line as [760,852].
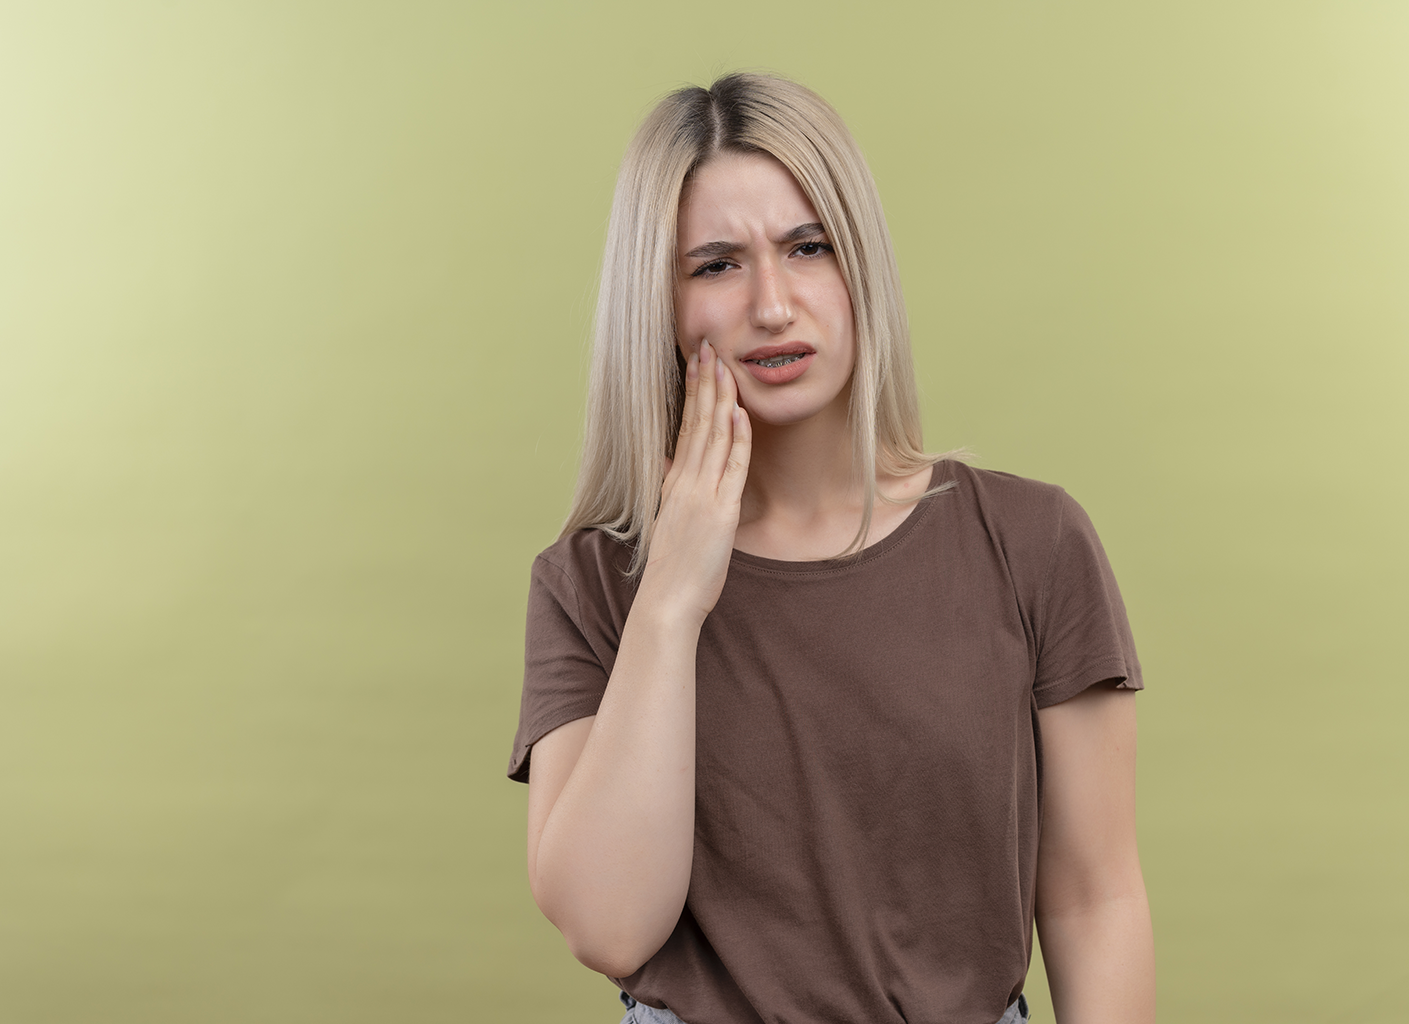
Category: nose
[772,306]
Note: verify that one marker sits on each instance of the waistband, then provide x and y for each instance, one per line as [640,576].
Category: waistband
[640,1013]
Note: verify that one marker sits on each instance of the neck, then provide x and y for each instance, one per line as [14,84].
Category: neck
[800,471]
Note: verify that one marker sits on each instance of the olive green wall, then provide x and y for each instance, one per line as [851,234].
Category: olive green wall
[293,306]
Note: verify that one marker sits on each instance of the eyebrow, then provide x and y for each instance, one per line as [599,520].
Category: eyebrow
[716,250]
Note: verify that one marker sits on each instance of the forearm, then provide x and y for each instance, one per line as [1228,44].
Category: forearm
[612,864]
[1100,960]
[611,826]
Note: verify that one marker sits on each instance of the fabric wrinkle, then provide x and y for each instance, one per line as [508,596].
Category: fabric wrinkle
[863,727]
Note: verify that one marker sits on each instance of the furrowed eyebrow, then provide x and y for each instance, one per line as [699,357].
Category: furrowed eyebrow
[802,231]
[713,250]
[719,250]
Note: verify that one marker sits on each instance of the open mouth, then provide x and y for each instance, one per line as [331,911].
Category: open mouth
[772,362]
[779,364]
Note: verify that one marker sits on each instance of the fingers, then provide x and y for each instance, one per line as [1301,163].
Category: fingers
[692,387]
[698,414]
[721,430]
[687,414]
[716,438]
[736,469]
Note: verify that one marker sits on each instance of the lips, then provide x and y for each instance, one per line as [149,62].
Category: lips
[771,352]
[778,364]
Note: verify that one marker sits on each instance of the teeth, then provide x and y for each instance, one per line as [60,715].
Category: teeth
[777,361]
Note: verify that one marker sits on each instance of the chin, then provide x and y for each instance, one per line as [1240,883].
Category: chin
[778,415]
[776,409]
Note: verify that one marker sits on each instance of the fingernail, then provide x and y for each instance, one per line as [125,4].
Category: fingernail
[718,369]
[692,367]
[704,349]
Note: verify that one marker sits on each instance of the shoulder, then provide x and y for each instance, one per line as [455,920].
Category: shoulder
[586,552]
[1012,505]
[1036,526]
[586,566]
[1063,581]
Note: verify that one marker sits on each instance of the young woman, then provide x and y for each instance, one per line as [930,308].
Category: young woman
[819,723]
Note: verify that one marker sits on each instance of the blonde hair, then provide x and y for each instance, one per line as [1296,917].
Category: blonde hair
[636,384]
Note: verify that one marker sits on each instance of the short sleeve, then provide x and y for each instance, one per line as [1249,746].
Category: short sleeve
[564,678]
[1083,634]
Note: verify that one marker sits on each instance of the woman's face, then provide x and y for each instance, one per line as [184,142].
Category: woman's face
[758,278]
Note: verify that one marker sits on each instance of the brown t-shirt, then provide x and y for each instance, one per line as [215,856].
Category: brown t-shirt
[868,760]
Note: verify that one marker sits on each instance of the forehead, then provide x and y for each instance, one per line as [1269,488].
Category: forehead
[738,196]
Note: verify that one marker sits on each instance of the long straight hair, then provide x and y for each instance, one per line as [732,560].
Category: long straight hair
[636,386]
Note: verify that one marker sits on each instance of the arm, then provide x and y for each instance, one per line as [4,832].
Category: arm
[611,810]
[1092,913]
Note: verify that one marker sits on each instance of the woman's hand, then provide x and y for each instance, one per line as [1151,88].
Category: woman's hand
[699,510]
[597,781]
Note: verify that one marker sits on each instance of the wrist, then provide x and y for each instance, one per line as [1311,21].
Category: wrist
[665,607]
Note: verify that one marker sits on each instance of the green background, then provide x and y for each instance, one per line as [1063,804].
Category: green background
[294,300]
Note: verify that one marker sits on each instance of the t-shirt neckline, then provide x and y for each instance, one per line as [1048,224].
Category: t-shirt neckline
[867,554]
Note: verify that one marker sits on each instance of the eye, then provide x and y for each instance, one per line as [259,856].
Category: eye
[811,250]
[711,269]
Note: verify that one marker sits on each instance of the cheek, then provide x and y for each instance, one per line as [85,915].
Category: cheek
[842,327]
[697,317]
[687,315]
[844,322]
[841,298]
[832,304]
